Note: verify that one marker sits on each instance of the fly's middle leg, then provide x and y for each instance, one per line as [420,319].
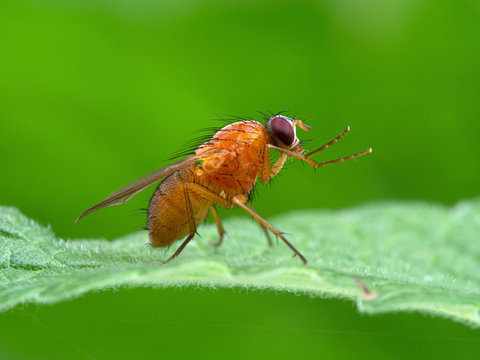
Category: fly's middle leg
[240,201]
[220,228]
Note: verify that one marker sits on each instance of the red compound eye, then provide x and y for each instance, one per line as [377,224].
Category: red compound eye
[283,130]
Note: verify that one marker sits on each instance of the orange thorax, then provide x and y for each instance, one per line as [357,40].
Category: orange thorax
[235,169]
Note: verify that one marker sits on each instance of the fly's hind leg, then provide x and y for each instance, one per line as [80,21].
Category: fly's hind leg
[193,226]
[221,231]
[207,194]
[240,201]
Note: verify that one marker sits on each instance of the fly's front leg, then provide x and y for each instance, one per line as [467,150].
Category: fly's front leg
[216,199]
[266,171]
[240,201]
[307,159]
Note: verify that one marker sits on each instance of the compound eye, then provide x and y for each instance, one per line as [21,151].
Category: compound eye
[283,130]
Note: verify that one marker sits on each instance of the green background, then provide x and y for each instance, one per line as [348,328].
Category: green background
[94,94]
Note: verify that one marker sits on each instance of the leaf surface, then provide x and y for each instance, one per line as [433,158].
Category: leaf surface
[412,256]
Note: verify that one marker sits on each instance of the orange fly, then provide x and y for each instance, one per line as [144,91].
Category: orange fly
[221,172]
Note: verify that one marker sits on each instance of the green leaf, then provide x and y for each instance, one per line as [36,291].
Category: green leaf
[412,256]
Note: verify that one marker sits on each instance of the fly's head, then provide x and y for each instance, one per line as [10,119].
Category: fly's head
[282,132]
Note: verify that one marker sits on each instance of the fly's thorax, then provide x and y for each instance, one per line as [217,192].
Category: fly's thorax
[235,136]
[235,148]
[224,162]
[237,151]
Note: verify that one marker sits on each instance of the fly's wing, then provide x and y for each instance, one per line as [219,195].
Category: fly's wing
[126,193]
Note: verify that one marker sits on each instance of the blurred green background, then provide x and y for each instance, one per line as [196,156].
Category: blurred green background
[95,93]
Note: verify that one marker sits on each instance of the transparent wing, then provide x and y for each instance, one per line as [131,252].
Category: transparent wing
[127,192]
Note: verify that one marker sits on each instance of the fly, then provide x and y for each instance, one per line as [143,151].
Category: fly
[221,172]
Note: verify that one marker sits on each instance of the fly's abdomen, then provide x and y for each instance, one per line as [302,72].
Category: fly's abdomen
[168,218]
